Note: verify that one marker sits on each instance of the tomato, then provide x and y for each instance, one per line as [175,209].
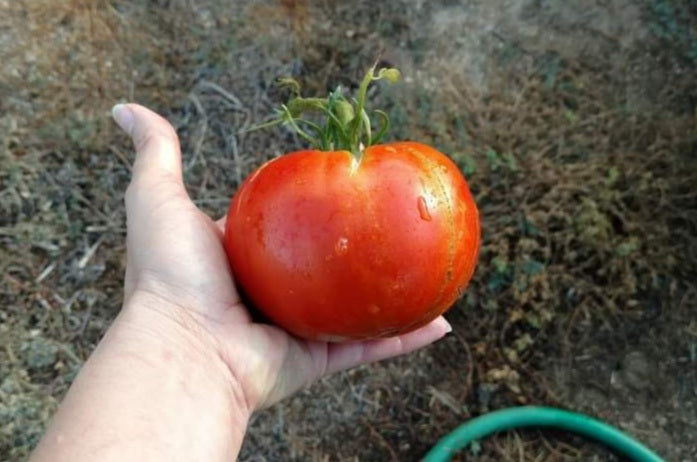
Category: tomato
[330,248]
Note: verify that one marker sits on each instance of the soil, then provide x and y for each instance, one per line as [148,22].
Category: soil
[574,122]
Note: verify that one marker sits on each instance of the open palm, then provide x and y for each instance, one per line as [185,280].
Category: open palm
[176,257]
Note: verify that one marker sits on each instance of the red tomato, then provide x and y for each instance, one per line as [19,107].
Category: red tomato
[332,250]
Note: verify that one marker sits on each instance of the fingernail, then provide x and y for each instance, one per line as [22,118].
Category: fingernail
[448,327]
[123,117]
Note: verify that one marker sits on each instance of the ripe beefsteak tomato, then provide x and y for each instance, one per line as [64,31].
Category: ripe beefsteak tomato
[333,246]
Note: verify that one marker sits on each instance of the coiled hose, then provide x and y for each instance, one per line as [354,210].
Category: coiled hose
[533,416]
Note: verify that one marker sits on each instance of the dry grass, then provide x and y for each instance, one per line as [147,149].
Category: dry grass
[584,171]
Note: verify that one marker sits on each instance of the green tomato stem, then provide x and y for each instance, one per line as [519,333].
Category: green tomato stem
[347,123]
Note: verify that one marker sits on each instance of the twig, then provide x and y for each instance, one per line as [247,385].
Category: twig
[519,445]
[470,364]
[90,252]
[46,271]
[236,103]
[204,128]
[501,450]
[122,157]
[232,143]
[381,440]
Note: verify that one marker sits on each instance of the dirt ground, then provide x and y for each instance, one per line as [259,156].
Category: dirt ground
[575,123]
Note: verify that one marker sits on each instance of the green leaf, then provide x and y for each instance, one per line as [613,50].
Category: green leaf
[500,264]
[290,83]
[533,267]
[613,174]
[570,115]
[470,167]
[533,320]
[493,158]
[523,343]
[510,162]
[527,228]
[627,247]
[388,73]
[475,448]
[496,283]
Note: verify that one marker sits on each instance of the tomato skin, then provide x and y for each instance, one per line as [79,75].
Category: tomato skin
[331,250]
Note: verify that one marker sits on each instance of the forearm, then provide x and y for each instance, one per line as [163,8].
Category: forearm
[152,390]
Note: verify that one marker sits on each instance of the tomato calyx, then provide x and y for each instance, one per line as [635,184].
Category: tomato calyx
[346,125]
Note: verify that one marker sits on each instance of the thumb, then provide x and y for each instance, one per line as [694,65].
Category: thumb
[158,156]
[157,179]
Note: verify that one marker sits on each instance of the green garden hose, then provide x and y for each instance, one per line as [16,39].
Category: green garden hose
[532,416]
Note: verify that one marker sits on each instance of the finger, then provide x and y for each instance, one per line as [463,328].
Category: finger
[307,361]
[158,156]
[220,223]
[345,355]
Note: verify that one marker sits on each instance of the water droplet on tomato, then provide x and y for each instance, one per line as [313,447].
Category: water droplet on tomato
[374,309]
[423,209]
[341,246]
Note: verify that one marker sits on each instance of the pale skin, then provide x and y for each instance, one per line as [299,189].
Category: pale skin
[179,372]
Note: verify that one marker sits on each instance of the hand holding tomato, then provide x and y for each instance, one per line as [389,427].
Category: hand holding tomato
[177,262]
[182,367]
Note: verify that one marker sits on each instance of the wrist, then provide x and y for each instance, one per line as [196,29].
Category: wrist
[169,337]
[154,389]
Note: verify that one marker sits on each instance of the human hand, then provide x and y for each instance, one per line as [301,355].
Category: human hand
[177,268]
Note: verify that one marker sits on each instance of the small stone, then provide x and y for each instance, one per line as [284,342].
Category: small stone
[636,371]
